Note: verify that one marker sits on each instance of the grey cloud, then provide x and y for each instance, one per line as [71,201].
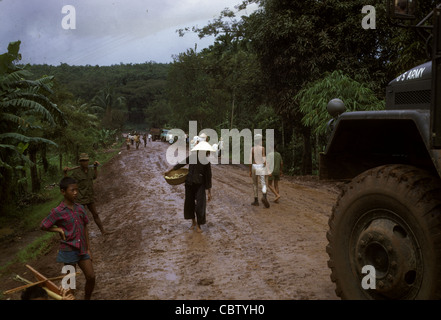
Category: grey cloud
[120,31]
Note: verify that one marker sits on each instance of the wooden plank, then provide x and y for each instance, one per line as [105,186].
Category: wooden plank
[49,284]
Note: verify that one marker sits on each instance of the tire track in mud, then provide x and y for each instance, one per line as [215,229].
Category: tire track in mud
[245,252]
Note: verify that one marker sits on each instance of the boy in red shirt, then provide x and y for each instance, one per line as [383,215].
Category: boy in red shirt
[70,220]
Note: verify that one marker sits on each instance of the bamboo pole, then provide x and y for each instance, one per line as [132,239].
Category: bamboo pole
[49,292]
[77,167]
[31,284]
[70,169]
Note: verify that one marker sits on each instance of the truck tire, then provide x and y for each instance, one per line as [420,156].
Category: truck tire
[389,218]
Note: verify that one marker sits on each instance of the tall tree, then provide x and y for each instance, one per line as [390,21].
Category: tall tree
[113,107]
[313,99]
[230,73]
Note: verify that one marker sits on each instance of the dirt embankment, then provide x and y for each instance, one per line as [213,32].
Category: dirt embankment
[244,252]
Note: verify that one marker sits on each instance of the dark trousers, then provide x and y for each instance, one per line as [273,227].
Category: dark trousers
[195,202]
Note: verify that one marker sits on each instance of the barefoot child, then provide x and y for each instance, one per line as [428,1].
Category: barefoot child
[70,220]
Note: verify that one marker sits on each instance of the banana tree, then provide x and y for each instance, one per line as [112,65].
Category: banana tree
[25,112]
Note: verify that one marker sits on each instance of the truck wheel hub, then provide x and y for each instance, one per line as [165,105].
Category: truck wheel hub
[392,251]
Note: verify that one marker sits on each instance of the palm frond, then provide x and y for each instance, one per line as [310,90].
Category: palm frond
[17,120]
[25,139]
[11,79]
[17,152]
[42,83]
[26,103]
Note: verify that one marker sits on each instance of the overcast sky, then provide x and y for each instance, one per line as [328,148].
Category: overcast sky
[106,31]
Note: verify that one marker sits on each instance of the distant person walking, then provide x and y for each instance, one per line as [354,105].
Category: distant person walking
[84,175]
[193,142]
[275,161]
[128,143]
[257,170]
[220,147]
[137,141]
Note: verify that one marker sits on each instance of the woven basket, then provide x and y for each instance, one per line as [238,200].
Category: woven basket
[179,180]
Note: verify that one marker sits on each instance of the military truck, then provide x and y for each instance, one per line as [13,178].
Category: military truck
[385,229]
[156,133]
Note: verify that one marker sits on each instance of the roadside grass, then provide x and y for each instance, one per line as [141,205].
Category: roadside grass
[38,247]
[28,219]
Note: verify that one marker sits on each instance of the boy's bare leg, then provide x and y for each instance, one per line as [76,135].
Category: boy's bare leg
[273,189]
[96,218]
[87,268]
[276,187]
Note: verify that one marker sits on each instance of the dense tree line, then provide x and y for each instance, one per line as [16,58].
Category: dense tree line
[274,69]
[129,89]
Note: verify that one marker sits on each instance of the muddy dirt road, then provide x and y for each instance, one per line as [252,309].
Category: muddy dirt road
[244,252]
